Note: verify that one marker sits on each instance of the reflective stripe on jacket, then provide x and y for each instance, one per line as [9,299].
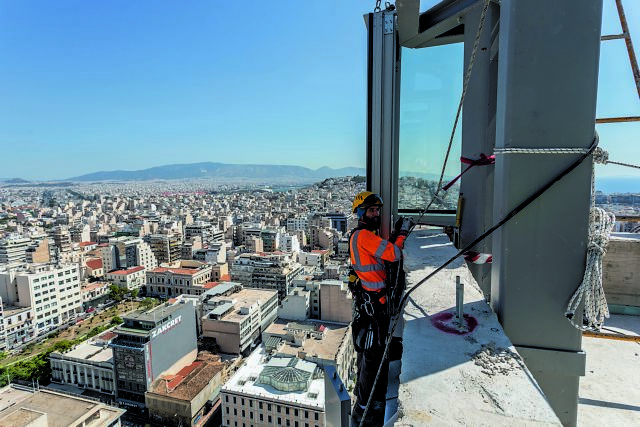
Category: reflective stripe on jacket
[368,251]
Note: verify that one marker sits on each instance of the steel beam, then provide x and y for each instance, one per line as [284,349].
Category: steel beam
[478,136]
[383,112]
[545,99]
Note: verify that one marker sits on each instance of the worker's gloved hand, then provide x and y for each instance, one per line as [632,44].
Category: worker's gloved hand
[403,226]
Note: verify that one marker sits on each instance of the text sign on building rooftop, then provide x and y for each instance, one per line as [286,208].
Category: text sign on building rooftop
[162,329]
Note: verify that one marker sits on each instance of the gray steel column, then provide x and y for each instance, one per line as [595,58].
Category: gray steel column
[547,82]
[383,112]
[478,136]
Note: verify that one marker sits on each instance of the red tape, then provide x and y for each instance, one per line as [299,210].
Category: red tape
[478,258]
[484,160]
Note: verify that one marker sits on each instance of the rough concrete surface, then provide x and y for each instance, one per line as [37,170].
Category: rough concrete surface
[609,392]
[474,379]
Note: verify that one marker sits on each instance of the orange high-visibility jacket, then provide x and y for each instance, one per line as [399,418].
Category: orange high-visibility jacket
[368,251]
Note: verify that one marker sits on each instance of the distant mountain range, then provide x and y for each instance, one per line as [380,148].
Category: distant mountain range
[220,171]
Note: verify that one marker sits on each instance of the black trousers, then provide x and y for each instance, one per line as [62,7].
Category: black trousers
[368,363]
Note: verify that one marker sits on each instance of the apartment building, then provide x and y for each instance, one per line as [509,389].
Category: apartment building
[266,271]
[16,326]
[336,302]
[52,291]
[88,365]
[62,238]
[149,344]
[13,249]
[289,243]
[270,240]
[183,277]
[274,391]
[298,223]
[166,247]
[235,317]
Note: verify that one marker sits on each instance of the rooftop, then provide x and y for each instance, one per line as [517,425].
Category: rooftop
[246,298]
[61,410]
[91,352]
[190,380]
[244,381]
[177,271]
[127,270]
[325,348]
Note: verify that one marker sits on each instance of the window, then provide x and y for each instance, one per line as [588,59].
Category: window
[227,410]
[260,405]
[295,412]
[306,414]
[279,421]
[226,398]
[316,416]
[430,92]
[286,410]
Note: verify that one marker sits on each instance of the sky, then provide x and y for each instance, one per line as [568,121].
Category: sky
[103,85]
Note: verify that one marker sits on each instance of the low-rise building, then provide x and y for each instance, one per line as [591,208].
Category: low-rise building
[184,277]
[88,365]
[277,391]
[323,343]
[187,397]
[235,320]
[128,279]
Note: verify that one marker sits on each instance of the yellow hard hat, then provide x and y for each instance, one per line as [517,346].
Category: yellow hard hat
[366,199]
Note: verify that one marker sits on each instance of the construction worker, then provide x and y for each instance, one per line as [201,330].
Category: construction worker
[369,286]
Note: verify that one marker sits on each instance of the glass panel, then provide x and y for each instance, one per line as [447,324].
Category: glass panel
[429,97]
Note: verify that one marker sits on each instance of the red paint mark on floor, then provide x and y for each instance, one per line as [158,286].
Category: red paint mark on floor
[446,322]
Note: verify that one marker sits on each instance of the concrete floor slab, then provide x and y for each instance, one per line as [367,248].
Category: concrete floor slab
[609,392]
[475,379]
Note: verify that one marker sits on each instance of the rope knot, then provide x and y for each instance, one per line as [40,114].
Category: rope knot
[600,156]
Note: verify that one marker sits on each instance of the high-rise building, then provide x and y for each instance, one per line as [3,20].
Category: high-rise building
[166,248]
[150,344]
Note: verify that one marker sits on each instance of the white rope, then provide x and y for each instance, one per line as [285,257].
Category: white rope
[540,150]
[590,290]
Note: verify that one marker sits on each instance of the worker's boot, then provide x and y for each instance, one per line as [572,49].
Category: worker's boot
[374,418]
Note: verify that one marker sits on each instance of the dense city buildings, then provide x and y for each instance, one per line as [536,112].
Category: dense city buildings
[228,262]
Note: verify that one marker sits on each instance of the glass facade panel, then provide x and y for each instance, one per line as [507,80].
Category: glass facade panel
[431,86]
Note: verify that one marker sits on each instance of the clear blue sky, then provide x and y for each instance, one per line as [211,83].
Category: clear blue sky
[103,85]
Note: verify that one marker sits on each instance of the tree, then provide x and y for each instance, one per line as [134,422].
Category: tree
[116,320]
[148,303]
[116,293]
[134,293]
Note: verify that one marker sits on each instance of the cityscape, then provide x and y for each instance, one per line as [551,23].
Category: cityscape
[179,191]
[229,301]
